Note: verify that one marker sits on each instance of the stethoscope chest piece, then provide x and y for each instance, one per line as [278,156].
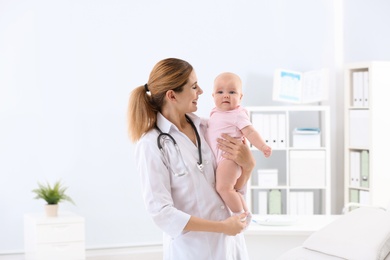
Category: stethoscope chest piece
[200,166]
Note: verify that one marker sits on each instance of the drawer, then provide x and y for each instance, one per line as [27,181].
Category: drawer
[60,232]
[59,251]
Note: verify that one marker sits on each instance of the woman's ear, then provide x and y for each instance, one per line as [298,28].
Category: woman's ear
[170,94]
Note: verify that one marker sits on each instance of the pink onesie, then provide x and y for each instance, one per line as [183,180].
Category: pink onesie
[229,122]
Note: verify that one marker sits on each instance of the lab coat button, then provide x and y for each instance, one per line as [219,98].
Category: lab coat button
[222,207]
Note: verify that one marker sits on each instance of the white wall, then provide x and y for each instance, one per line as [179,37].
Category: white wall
[67,68]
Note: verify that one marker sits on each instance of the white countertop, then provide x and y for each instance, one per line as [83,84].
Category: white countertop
[288,225]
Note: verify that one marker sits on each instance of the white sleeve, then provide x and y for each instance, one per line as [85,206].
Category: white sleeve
[155,180]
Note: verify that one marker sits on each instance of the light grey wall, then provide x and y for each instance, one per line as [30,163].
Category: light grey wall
[366,29]
[67,68]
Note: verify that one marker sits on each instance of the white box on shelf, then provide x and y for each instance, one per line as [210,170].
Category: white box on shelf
[267,177]
[306,137]
[307,168]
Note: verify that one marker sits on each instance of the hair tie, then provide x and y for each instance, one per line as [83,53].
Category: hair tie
[146,87]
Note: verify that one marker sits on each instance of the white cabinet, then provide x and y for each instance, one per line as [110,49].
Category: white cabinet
[367,133]
[59,238]
[300,139]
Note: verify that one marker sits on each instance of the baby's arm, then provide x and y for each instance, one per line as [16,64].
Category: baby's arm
[254,137]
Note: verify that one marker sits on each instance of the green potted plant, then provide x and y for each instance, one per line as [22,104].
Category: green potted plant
[52,195]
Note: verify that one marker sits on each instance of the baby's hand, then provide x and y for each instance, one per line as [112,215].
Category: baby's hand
[267,151]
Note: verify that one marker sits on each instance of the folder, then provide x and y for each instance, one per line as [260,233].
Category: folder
[364,197]
[354,196]
[355,164]
[293,203]
[275,202]
[365,171]
[282,130]
[273,130]
[309,203]
[258,123]
[263,202]
[301,203]
[267,129]
[366,97]
[357,88]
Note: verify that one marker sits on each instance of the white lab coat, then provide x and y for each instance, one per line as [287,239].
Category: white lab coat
[171,200]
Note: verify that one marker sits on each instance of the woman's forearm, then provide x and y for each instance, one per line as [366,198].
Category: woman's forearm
[230,226]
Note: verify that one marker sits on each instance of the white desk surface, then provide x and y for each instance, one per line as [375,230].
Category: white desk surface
[63,217]
[302,225]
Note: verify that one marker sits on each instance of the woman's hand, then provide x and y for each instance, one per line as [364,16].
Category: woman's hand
[235,224]
[238,151]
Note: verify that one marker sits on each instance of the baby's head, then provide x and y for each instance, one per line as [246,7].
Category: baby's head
[227,91]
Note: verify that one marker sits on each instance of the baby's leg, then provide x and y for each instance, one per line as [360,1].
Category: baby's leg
[226,176]
[245,207]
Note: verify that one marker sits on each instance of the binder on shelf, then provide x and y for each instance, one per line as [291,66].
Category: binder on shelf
[271,127]
[359,128]
[301,203]
[263,202]
[294,203]
[364,197]
[275,202]
[301,87]
[273,123]
[365,170]
[282,130]
[366,98]
[357,89]
[306,203]
[307,168]
[355,163]
[258,122]
[266,129]
[309,203]
[353,196]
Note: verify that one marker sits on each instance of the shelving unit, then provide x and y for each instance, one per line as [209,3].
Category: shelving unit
[367,133]
[302,184]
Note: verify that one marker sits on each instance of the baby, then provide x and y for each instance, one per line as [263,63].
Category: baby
[230,118]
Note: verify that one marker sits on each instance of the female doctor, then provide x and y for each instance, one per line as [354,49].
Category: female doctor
[177,167]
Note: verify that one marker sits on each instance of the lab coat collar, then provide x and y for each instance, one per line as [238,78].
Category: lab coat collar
[165,125]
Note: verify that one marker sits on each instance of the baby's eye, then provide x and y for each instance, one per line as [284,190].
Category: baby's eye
[219,92]
[232,92]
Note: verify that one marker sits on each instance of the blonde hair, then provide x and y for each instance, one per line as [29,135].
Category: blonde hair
[146,100]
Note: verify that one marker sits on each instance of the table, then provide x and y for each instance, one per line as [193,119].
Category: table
[270,241]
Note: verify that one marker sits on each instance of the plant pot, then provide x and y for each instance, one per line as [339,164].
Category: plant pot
[51,210]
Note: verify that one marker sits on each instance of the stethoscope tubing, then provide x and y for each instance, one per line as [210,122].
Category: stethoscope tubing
[161,135]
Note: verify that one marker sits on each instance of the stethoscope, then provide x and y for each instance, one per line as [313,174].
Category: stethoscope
[163,137]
